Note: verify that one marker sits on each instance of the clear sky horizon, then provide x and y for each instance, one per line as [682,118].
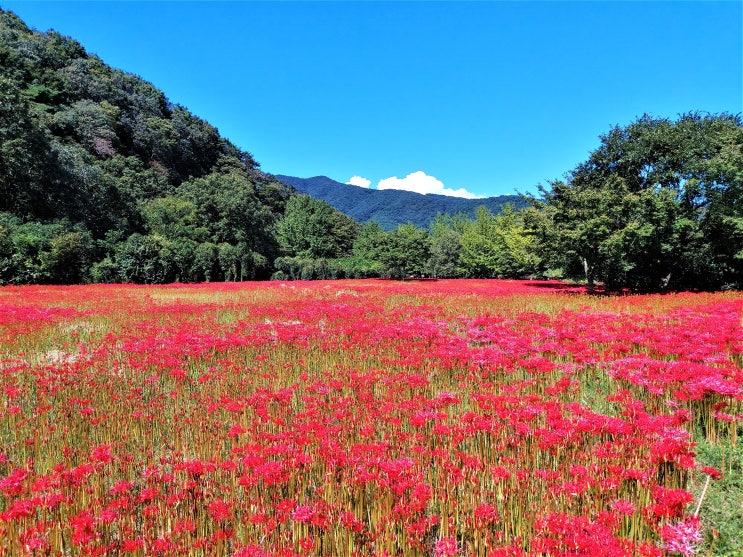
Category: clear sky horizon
[465,98]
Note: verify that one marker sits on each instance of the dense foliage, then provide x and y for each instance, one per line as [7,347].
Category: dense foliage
[658,205]
[102,179]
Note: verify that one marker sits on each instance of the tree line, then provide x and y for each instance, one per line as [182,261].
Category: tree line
[657,206]
[321,243]
[103,179]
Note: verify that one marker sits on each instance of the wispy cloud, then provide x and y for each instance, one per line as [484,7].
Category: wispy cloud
[420,182]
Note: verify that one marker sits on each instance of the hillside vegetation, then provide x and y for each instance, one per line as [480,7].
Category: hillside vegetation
[103,179]
[391,208]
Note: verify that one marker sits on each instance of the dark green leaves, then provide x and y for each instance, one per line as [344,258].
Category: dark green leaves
[656,206]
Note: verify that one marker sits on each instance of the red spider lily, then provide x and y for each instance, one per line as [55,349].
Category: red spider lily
[624,507]
[102,454]
[307,543]
[21,508]
[348,519]
[36,539]
[446,547]
[357,418]
[83,528]
[669,503]
[712,472]
[219,510]
[303,513]
[485,514]
[13,484]
[250,551]
[560,534]
[132,545]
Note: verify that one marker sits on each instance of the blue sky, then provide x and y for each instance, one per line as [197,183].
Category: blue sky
[488,97]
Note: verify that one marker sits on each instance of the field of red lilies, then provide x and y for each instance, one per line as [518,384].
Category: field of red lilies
[441,418]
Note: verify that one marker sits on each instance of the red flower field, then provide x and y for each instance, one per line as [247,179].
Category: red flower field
[473,418]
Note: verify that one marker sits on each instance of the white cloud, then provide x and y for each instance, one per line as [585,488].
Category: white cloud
[359,181]
[420,182]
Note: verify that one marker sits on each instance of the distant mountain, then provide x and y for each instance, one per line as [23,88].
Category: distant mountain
[393,207]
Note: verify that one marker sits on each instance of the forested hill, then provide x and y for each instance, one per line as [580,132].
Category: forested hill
[103,178]
[391,208]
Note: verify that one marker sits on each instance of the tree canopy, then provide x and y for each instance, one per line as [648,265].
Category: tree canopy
[657,205]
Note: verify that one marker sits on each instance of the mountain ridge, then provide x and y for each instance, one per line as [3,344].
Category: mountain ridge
[390,208]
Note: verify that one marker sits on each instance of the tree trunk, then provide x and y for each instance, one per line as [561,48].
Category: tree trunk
[589,274]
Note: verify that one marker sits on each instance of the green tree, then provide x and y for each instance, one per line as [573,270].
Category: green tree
[181,254]
[446,245]
[311,228]
[656,205]
[92,124]
[145,260]
[23,250]
[34,252]
[446,250]
[239,262]
[206,262]
[405,252]
[228,207]
[199,144]
[497,245]
[722,222]
[70,257]
[25,158]
[368,246]
[88,152]
[173,217]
